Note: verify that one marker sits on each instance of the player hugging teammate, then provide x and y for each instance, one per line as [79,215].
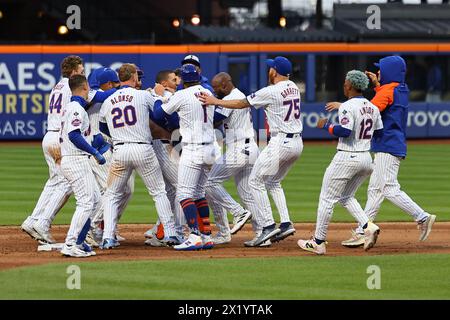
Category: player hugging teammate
[99,137]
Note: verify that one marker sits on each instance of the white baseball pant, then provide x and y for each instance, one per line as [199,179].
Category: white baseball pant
[345,174]
[140,157]
[78,172]
[236,162]
[270,168]
[57,190]
[384,184]
[169,166]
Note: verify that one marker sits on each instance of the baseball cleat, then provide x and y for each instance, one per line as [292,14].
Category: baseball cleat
[174,241]
[155,242]
[267,233]
[312,246]
[90,240]
[239,221]
[371,233]
[425,227]
[207,241]
[221,238]
[193,242]
[119,237]
[148,234]
[109,244]
[357,240]
[44,234]
[286,229]
[74,251]
[251,243]
[28,229]
[87,248]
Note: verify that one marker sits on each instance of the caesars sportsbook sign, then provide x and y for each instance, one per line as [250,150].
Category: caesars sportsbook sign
[27,79]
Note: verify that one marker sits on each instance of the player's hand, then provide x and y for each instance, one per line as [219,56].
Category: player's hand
[100,159]
[330,106]
[322,123]
[373,78]
[207,99]
[159,89]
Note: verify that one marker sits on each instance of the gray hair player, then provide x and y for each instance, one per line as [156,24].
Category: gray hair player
[359,119]
[281,102]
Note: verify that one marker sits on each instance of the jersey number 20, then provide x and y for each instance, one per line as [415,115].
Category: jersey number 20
[122,117]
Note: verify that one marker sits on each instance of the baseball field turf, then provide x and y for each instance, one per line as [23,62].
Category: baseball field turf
[425,175]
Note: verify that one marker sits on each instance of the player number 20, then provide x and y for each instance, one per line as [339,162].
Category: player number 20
[122,117]
[293,105]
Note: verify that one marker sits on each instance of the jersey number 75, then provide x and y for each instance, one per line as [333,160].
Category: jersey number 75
[293,104]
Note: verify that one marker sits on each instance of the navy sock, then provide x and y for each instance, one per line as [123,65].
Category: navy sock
[190,212]
[203,215]
[84,231]
[318,241]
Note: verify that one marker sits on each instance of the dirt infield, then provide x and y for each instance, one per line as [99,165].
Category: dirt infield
[18,249]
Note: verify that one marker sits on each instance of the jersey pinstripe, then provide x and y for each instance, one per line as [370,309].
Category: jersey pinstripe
[238,124]
[59,98]
[361,117]
[127,114]
[74,117]
[196,120]
[281,103]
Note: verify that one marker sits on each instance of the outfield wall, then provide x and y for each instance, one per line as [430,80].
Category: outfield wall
[28,73]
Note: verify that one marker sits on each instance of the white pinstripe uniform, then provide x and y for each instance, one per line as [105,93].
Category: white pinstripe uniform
[101,171]
[76,168]
[242,152]
[281,103]
[351,165]
[196,128]
[57,189]
[168,161]
[127,114]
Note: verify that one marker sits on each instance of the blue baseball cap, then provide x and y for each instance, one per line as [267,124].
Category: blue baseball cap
[92,78]
[189,73]
[281,65]
[107,75]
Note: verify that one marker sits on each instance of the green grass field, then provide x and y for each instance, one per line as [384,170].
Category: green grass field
[425,175]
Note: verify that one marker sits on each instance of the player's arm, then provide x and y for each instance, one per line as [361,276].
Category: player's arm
[101,96]
[77,139]
[334,129]
[330,106]
[231,104]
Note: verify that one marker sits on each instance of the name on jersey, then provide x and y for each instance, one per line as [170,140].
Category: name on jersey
[366,110]
[289,91]
[121,98]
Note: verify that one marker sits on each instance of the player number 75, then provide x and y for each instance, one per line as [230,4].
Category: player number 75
[293,104]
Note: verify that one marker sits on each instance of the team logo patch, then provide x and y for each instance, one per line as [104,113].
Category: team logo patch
[76,114]
[76,122]
[344,112]
[344,121]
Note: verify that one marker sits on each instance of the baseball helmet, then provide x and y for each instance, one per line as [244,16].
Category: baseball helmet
[189,73]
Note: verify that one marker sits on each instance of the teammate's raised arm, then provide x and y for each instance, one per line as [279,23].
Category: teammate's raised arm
[231,104]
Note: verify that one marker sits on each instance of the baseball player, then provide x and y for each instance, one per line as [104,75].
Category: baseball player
[168,161]
[103,79]
[57,190]
[76,167]
[125,118]
[196,128]
[352,164]
[281,102]
[237,162]
[194,60]
[391,98]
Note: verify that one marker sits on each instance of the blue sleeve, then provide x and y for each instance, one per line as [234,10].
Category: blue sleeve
[77,139]
[378,133]
[158,115]
[219,117]
[342,132]
[104,128]
[173,121]
[101,96]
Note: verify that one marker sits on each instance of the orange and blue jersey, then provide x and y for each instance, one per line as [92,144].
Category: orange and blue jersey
[392,99]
